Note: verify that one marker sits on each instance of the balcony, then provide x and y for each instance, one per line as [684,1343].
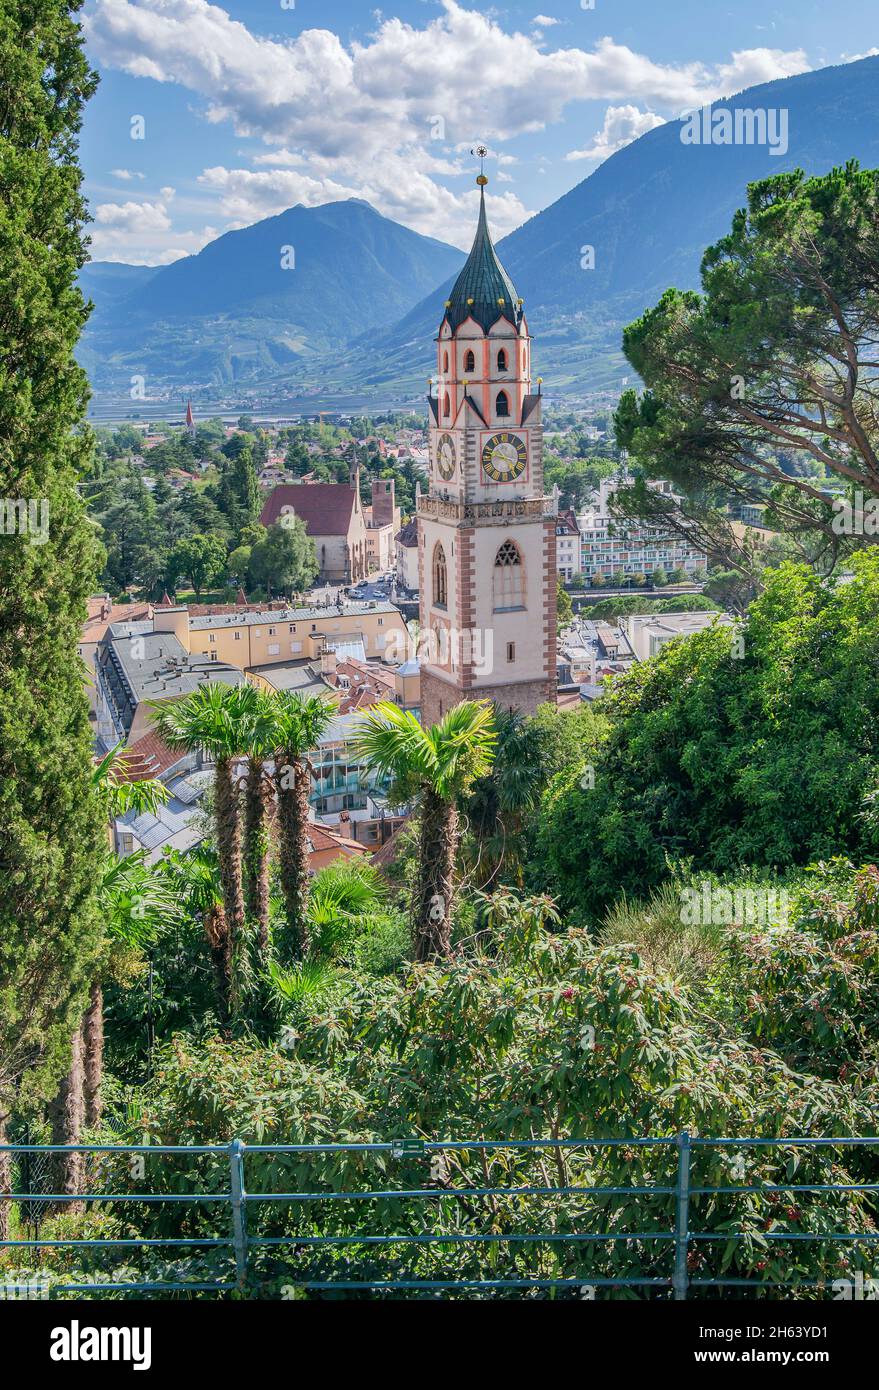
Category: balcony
[501,511]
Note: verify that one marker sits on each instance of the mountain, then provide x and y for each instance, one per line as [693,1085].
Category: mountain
[256,300]
[649,212]
[359,313]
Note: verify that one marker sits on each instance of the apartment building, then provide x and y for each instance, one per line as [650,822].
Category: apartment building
[610,545]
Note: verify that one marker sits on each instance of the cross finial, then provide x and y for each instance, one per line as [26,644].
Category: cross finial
[481,153]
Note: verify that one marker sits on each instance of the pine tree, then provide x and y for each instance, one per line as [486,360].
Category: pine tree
[50,828]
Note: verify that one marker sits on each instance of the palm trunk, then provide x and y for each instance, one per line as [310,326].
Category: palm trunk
[217,933]
[434,884]
[229,849]
[93,1037]
[294,784]
[256,853]
[5,1180]
[66,1114]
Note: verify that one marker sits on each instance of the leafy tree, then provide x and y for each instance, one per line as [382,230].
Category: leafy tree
[285,560]
[731,589]
[50,820]
[750,748]
[239,495]
[434,767]
[200,559]
[772,363]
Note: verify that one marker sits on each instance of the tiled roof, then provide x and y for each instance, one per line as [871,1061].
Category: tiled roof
[408,534]
[325,508]
[102,614]
[150,756]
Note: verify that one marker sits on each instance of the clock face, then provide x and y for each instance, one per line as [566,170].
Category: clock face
[504,457]
[445,456]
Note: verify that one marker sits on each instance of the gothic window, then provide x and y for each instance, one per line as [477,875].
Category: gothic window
[502,360]
[508,580]
[447,405]
[469,362]
[502,404]
[445,361]
[440,577]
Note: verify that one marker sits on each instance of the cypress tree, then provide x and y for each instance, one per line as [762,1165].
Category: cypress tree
[50,823]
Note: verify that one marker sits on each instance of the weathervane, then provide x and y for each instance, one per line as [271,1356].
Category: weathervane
[481,153]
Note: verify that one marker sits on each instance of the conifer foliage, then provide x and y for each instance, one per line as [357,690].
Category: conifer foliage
[50,826]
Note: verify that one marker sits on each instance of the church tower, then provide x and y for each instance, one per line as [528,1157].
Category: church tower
[486,532]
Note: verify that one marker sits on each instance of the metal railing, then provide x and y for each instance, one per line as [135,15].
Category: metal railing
[240,1244]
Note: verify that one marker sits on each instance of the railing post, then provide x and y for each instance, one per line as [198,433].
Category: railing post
[680,1280]
[239,1210]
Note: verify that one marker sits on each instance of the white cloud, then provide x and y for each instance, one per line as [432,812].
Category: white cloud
[622,125]
[141,233]
[126,174]
[354,119]
[395,188]
[545,21]
[133,217]
[363,98]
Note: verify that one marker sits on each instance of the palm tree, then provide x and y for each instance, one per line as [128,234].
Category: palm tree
[299,724]
[436,766]
[497,803]
[196,878]
[258,735]
[216,718]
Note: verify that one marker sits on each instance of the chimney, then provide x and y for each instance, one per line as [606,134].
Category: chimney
[328,662]
[346,830]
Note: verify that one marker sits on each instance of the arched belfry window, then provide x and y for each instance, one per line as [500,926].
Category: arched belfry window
[508,579]
[469,361]
[445,361]
[502,404]
[447,405]
[440,577]
[502,360]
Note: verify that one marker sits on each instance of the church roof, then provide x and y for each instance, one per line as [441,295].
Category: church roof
[326,508]
[483,291]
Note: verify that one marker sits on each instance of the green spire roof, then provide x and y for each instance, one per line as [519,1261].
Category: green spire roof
[484,281]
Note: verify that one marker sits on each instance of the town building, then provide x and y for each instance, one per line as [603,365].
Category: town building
[487,542]
[407,557]
[351,541]
[612,546]
[171,650]
[567,545]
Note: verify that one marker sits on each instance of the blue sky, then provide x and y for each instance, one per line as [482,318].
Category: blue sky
[251,106]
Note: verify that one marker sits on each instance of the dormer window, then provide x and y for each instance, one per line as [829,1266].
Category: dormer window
[502,404]
[502,360]
[469,361]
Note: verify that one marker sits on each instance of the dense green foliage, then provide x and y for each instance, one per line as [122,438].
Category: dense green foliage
[50,830]
[751,747]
